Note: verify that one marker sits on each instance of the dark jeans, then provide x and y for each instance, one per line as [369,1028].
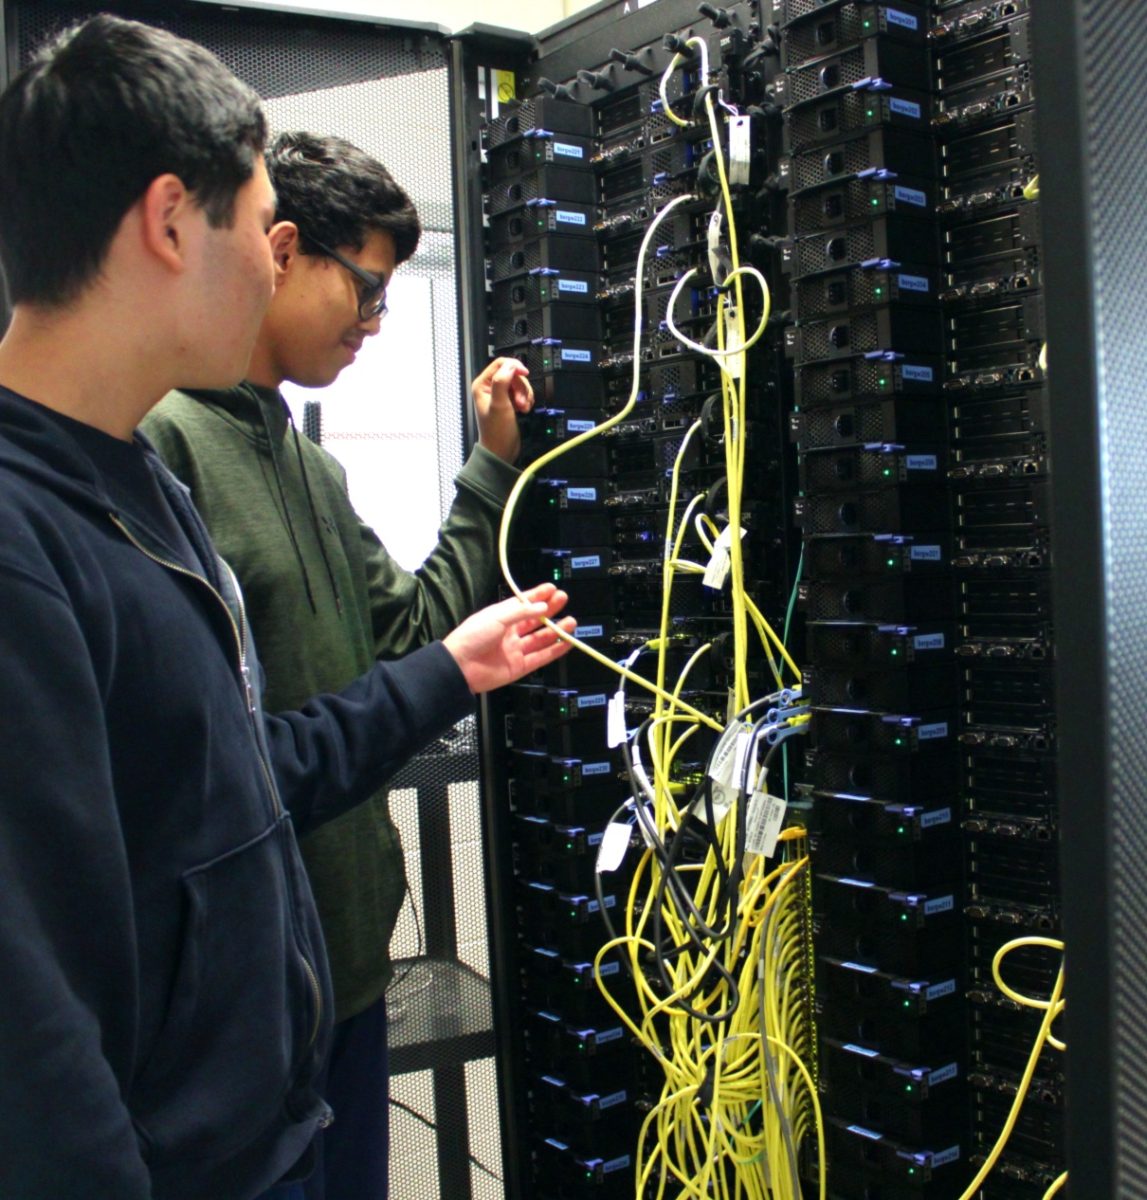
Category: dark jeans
[352,1154]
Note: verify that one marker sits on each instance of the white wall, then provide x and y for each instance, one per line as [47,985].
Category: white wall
[454,14]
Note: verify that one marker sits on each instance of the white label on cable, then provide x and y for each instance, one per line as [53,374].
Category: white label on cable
[735,362]
[717,570]
[744,741]
[740,149]
[639,772]
[713,245]
[723,799]
[761,834]
[720,562]
[613,846]
[615,732]
[721,768]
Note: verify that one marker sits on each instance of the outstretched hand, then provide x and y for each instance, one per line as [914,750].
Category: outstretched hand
[500,644]
[501,392]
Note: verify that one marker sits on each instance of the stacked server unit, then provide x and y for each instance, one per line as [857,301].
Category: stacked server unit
[880,672]
[574,174]
[994,334]
[899,446]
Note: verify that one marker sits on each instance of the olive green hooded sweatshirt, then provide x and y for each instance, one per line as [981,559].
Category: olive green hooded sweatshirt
[325,599]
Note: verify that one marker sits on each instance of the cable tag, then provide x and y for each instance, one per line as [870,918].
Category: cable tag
[740,150]
[615,731]
[723,799]
[614,844]
[745,745]
[720,561]
[734,360]
[724,756]
[763,824]
[713,246]
[639,772]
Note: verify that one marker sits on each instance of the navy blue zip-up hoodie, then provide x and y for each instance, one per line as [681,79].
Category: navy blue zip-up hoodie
[164,999]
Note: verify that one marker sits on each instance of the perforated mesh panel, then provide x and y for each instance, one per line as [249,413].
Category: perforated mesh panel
[387,91]
[1114,48]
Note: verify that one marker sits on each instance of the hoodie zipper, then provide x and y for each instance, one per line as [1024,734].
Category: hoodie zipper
[239,629]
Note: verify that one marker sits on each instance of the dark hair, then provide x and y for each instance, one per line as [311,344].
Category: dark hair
[101,112]
[337,194]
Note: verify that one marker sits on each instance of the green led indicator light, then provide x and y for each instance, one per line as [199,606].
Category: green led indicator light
[875,201]
[867,22]
[890,562]
[898,741]
[886,472]
[879,291]
[908,1087]
[895,652]
[882,383]
[565,778]
[901,829]
[870,112]
[557,575]
[907,1003]
[904,916]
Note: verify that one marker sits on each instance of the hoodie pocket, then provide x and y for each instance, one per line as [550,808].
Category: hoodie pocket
[246,1003]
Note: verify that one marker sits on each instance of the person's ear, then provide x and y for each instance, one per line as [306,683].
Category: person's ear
[166,211]
[284,239]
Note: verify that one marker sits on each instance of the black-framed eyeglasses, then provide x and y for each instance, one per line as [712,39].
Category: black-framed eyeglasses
[372,294]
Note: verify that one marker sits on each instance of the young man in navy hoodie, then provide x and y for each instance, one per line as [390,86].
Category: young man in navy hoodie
[165,1002]
[324,596]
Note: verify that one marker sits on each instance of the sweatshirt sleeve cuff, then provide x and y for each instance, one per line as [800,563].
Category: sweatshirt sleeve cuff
[435,686]
[488,476]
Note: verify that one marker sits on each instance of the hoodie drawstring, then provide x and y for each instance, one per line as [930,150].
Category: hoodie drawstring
[315,516]
[287,511]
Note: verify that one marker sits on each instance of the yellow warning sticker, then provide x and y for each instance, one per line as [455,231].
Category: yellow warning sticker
[505,87]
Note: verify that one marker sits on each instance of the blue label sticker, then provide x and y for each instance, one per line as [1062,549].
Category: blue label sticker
[919,374]
[928,641]
[906,108]
[569,150]
[943,1074]
[913,283]
[596,701]
[565,217]
[910,196]
[612,1099]
[939,990]
[591,631]
[921,462]
[595,839]
[938,816]
[585,563]
[587,495]
[864,1051]
[579,426]
[903,19]
[930,733]
[866,1133]
[574,285]
[924,553]
[599,768]
[578,356]
[616,1164]
[951,1155]
[609,1035]
[941,904]
[608,969]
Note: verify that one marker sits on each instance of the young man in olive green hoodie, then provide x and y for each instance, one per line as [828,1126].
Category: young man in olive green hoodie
[324,597]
